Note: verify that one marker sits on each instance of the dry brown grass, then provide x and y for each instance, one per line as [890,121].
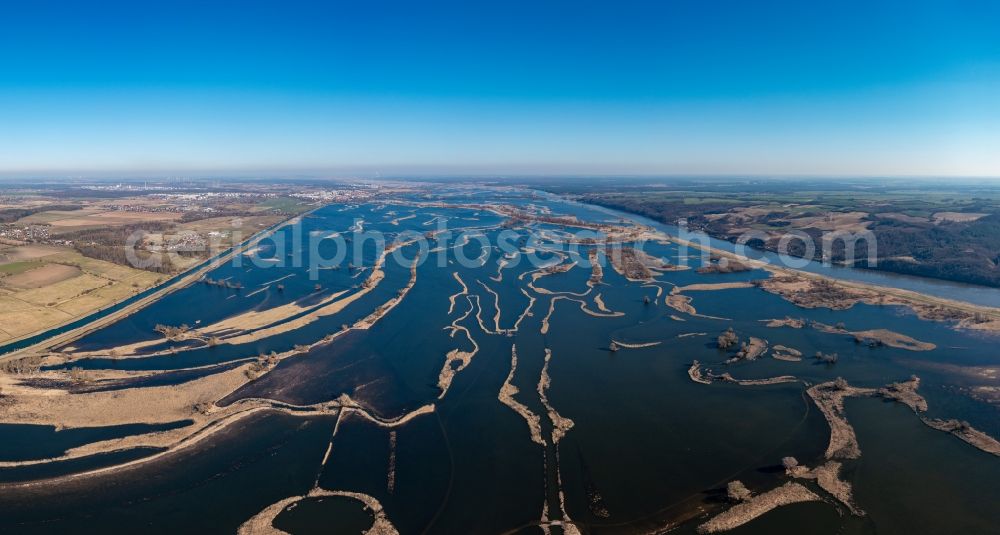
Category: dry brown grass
[27,252]
[159,404]
[65,286]
[756,506]
[958,217]
[894,339]
[42,276]
[834,221]
[710,287]
[105,219]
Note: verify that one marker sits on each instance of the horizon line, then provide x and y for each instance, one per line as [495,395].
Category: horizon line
[397,174]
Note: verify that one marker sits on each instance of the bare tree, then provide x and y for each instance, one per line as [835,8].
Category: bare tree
[727,339]
[737,491]
[790,463]
[826,358]
[77,375]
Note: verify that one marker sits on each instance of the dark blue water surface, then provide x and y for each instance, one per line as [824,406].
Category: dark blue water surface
[647,447]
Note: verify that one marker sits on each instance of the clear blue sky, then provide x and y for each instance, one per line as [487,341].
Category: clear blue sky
[660,87]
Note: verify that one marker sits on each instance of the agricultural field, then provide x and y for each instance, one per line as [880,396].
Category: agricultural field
[65,251]
[94,217]
[44,286]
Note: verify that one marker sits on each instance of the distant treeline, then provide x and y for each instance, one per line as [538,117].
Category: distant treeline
[110,244]
[10,215]
[118,255]
[115,235]
[959,251]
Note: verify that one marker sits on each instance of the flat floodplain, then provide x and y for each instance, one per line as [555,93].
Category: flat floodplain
[445,384]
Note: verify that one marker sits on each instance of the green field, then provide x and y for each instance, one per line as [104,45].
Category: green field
[18,267]
[287,205]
